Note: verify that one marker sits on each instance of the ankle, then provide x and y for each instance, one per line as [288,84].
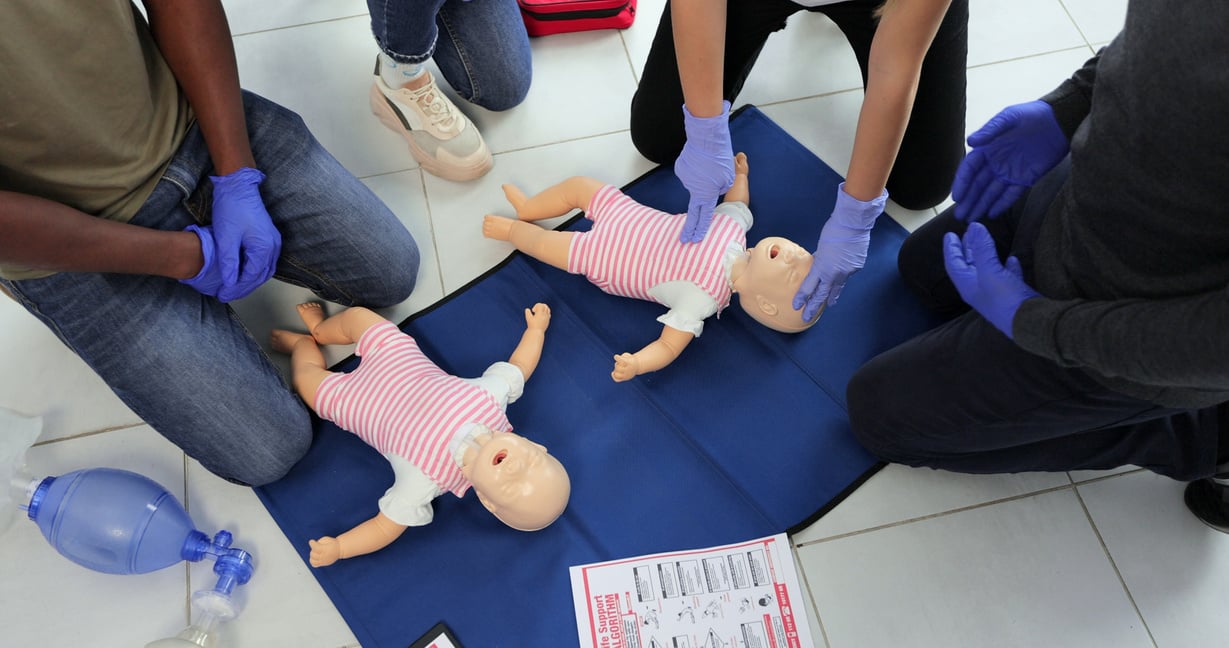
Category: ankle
[420,81]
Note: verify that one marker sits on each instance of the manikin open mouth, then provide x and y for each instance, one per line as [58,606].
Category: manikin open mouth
[774,251]
[499,457]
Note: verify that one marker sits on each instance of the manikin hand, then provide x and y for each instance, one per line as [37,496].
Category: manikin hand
[1010,153]
[325,551]
[537,318]
[248,244]
[209,280]
[992,289]
[627,366]
[840,252]
[706,169]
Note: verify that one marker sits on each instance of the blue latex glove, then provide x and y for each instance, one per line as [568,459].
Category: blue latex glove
[209,280]
[248,244]
[992,289]
[1010,153]
[841,251]
[706,169]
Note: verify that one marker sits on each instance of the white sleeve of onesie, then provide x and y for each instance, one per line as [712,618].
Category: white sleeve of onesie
[689,305]
[503,380]
[408,500]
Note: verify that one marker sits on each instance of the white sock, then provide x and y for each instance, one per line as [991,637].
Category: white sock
[398,74]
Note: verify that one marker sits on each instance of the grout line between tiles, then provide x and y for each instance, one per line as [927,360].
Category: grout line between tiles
[90,433]
[505,152]
[1063,4]
[304,24]
[1108,556]
[971,507]
[806,583]
[1085,45]
[627,52]
[1072,485]
[435,246]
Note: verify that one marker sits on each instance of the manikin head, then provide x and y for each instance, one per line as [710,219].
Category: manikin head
[516,480]
[766,281]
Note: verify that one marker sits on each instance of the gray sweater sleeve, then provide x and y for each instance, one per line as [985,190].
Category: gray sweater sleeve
[1072,99]
[1171,343]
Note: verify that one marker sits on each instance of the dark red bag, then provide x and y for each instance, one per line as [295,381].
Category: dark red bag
[544,17]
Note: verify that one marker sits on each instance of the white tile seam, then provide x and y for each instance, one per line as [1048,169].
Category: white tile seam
[806,584]
[303,24]
[1108,556]
[1013,59]
[505,152]
[435,246]
[922,518]
[1063,4]
[627,53]
[80,435]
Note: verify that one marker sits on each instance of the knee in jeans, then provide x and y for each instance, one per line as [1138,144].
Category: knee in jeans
[506,98]
[270,462]
[397,280]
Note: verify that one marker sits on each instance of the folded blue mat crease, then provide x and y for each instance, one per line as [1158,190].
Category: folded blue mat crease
[745,435]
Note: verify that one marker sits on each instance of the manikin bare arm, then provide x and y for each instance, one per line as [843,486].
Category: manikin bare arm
[529,350]
[656,355]
[370,536]
[347,326]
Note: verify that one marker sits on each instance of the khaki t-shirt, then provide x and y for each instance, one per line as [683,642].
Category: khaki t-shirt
[90,114]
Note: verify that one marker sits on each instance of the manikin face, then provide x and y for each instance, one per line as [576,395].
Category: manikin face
[766,288]
[517,480]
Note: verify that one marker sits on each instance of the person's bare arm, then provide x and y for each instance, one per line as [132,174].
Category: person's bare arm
[905,33]
[195,40]
[47,235]
[658,354]
[699,45]
[370,536]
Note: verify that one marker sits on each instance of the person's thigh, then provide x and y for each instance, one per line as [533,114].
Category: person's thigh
[964,397]
[920,259]
[405,29]
[182,361]
[338,239]
[483,51]
[656,113]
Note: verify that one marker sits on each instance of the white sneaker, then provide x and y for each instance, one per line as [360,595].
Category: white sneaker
[443,140]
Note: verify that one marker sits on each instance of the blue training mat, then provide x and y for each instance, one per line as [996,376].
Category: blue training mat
[745,435]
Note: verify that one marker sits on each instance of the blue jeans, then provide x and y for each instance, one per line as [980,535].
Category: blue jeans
[480,46]
[183,361]
[963,397]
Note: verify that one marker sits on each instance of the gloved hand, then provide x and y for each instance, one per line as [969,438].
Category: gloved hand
[1010,153]
[841,251]
[248,244]
[992,289]
[209,280]
[705,167]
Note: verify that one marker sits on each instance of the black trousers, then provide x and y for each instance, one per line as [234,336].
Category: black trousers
[964,397]
[933,144]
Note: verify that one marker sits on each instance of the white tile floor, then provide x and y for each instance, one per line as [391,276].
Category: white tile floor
[913,558]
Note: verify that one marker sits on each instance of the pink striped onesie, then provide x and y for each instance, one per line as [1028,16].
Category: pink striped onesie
[401,403]
[632,248]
